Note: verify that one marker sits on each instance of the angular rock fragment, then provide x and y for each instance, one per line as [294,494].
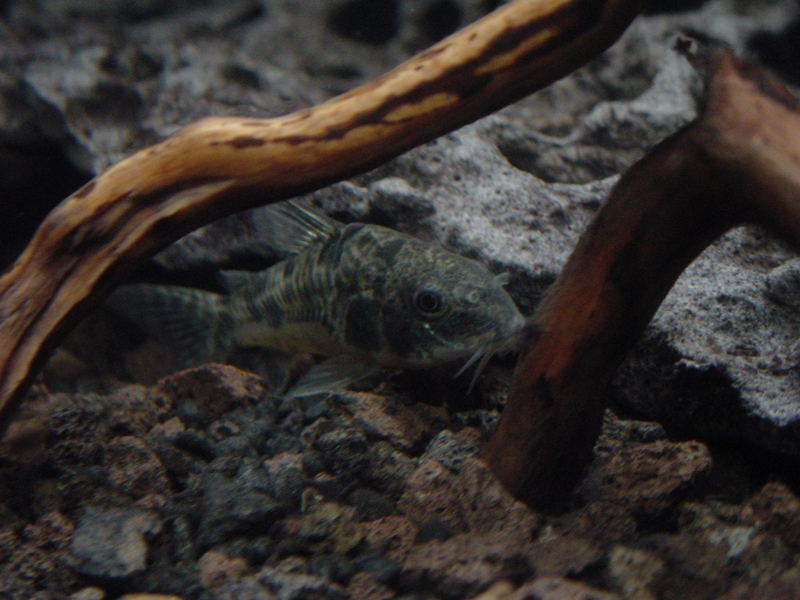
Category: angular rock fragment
[464,565]
[111,543]
[134,468]
[472,500]
[646,478]
[236,506]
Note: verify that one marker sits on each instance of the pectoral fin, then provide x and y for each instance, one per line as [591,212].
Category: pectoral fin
[334,374]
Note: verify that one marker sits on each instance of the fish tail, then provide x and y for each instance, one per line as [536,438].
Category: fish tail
[195,323]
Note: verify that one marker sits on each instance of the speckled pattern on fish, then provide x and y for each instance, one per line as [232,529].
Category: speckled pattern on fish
[365,295]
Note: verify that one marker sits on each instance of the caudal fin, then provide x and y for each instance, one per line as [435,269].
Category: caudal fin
[192,322]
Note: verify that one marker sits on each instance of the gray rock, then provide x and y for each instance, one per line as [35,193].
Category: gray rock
[332,566]
[235,445]
[233,507]
[111,543]
[382,568]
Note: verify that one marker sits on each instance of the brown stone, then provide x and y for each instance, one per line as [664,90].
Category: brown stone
[24,439]
[37,558]
[9,541]
[466,564]
[386,419]
[471,500]
[328,527]
[430,495]
[635,571]
[488,506]
[393,535]
[136,409]
[215,387]
[777,509]
[646,476]
[168,428]
[563,556]
[134,469]
[217,568]
[606,521]
[51,531]
[773,590]
[78,427]
[363,586]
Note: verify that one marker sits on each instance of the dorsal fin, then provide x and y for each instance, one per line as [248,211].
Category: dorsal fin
[293,226]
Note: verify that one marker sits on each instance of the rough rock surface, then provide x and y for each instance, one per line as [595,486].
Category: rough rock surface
[248,503]
[231,492]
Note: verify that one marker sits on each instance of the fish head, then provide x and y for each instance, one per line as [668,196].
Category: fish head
[440,306]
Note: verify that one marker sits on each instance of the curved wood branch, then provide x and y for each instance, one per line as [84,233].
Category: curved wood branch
[739,162]
[218,166]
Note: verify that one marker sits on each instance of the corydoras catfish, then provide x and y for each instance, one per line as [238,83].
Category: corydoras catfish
[365,296]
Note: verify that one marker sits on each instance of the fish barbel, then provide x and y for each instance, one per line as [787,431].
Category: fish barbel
[365,296]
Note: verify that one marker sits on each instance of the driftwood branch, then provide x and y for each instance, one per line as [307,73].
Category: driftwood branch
[218,166]
[738,162]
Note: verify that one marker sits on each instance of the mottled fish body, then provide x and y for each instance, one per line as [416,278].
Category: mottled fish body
[365,295]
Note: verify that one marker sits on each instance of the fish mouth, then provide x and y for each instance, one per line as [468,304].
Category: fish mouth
[484,354]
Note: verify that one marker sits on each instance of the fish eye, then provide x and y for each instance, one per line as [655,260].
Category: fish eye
[428,301]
